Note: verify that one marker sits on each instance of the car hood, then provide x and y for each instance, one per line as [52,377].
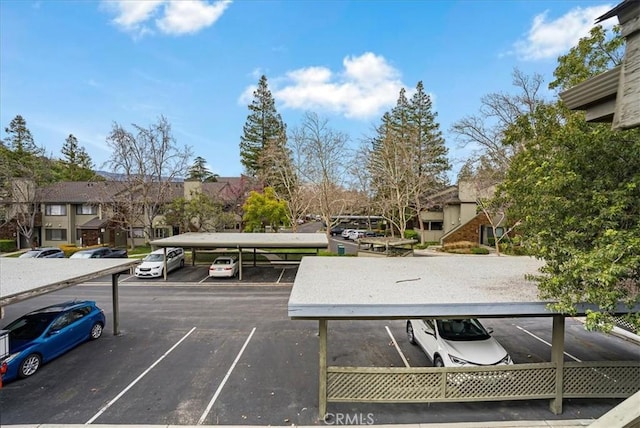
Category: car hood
[151,264]
[480,352]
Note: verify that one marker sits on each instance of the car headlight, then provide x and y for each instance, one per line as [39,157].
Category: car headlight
[506,360]
[456,360]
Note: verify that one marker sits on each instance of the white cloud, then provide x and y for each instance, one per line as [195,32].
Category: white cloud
[175,17]
[190,16]
[366,85]
[549,39]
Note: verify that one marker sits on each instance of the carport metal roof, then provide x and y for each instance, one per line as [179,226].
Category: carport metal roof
[405,287]
[244,240]
[21,279]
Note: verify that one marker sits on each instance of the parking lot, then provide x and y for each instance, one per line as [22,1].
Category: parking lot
[202,351]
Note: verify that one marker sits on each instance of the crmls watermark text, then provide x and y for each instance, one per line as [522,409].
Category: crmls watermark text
[348,419]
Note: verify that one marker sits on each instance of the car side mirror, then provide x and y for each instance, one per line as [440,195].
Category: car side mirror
[489,330]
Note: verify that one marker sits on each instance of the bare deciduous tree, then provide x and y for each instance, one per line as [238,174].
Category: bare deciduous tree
[149,161]
[323,157]
[485,132]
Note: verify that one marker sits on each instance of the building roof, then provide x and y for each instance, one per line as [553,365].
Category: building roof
[416,287]
[618,10]
[87,192]
[78,192]
[94,223]
[244,240]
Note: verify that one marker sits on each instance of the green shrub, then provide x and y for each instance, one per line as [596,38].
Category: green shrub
[411,234]
[479,250]
[7,245]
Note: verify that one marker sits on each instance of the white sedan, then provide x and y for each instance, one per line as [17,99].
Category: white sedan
[152,265]
[224,267]
[456,342]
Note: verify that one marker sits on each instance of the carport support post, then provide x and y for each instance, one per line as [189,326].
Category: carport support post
[115,303]
[322,396]
[164,263]
[557,357]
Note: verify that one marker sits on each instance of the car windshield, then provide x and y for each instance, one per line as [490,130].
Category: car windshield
[154,258]
[81,255]
[30,326]
[30,254]
[462,330]
[222,262]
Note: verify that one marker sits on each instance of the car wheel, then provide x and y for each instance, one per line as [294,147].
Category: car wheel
[410,335]
[182,263]
[437,362]
[96,331]
[29,365]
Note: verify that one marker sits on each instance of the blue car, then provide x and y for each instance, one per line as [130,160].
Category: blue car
[47,333]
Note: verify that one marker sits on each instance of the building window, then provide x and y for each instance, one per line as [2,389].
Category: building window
[435,225]
[56,210]
[160,232]
[86,209]
[55,234]
[137,232]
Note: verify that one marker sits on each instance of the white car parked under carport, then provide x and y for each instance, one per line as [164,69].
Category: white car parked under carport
[224,267]
[152,265]
[456,342]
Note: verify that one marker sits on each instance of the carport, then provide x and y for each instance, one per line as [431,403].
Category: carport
[241,241]
[445,287]
[22,279]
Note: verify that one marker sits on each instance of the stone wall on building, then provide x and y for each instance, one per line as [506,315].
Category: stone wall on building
[469,231]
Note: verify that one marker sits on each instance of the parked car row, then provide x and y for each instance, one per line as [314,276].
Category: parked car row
[152,266]
[355,234]
[90,253]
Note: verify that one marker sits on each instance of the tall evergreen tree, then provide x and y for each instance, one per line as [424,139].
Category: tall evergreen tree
[408,158]
[199,171]
[76,162]
[264,126]
[23,170]
[431,160]
[429,154]
[19,138]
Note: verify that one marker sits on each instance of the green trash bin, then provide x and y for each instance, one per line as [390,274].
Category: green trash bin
[340,250]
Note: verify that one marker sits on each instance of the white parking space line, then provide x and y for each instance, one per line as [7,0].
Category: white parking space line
[224,380]
[129,277]
[393,339]
[117,397]
[546,343]
[280,277]
[204,279]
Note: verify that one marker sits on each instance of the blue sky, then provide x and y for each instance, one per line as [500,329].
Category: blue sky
[76,67]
